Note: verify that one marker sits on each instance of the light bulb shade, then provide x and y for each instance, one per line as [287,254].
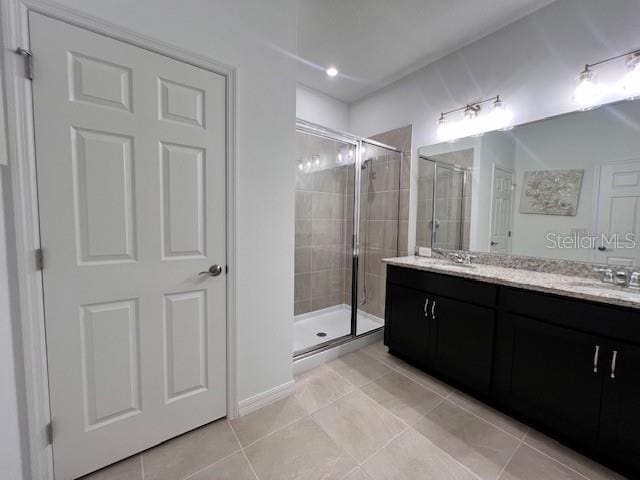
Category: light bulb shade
[630,83]
[470,114]
[587,92]
[500,116]
[447,130]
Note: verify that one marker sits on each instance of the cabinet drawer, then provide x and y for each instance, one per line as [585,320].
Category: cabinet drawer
[606,320]
[470,291]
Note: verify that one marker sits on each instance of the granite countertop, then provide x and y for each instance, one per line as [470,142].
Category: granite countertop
[566,285]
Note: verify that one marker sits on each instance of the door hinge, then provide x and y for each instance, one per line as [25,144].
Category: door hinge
[509,234]
[49,432]
[39,259]
[28,61]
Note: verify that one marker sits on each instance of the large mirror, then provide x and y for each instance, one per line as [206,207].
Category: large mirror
[566,187]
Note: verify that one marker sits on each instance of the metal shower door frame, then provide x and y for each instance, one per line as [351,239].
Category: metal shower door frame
[358,142]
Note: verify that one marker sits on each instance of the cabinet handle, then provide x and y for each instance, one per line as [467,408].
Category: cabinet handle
[596,358]
[426,307]
[433,310]
[614,359]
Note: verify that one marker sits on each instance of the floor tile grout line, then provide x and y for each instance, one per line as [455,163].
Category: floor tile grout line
[142,464]
[288,424]
[447,397]
[520,440]
[386,444]
[512,455]
[244,453]
[448,454]
[394,366]
[408,427]
[369,380]
[555,459]
[226,457]
[488,421]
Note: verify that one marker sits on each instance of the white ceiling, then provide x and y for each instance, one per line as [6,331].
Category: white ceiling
[374,42]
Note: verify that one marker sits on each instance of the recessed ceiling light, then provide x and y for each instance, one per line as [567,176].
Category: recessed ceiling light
[332,71]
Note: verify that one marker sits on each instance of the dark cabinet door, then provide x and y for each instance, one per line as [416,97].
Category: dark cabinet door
[407,324]
[556,377]
[620,420]
[463,342]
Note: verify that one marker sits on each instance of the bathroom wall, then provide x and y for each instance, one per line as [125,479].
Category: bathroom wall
[319,108]
[531,63]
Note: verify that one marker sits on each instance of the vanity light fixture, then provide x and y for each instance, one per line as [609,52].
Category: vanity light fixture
[474,122]
[588,92]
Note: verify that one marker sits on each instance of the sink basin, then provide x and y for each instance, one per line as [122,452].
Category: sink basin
[461,265]
[604,286]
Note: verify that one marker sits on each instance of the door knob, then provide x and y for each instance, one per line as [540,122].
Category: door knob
[493,243]
[214,271]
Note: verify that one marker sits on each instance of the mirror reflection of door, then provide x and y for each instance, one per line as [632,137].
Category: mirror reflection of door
[501,211]
[619,214]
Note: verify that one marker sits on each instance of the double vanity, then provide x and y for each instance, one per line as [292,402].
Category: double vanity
[559,352]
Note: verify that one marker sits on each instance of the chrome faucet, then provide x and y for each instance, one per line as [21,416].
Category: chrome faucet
[463,258]
[621,277]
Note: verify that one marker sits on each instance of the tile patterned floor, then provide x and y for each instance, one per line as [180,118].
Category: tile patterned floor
[364,416]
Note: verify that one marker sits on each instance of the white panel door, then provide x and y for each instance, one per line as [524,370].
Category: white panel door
[501,201]
[619,214]
[131,183]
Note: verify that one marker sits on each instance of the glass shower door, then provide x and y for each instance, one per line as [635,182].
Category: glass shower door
[323,227]
[448,213]
[378,178]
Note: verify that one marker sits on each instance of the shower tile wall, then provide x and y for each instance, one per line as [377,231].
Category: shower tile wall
[425,203]
[378,229]
[401,139]
[320,263]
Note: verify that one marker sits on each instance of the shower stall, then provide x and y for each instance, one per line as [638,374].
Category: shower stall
[444,205]
[347,204]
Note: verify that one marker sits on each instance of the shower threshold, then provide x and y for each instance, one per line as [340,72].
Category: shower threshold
[322,326]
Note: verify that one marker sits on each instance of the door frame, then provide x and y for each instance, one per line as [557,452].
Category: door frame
[495,167]
[23,219]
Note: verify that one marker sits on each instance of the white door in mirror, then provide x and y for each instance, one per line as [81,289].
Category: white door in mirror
[131,182]
[501,211]
[618,241]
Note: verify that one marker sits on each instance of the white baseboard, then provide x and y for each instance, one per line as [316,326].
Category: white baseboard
[263,399]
